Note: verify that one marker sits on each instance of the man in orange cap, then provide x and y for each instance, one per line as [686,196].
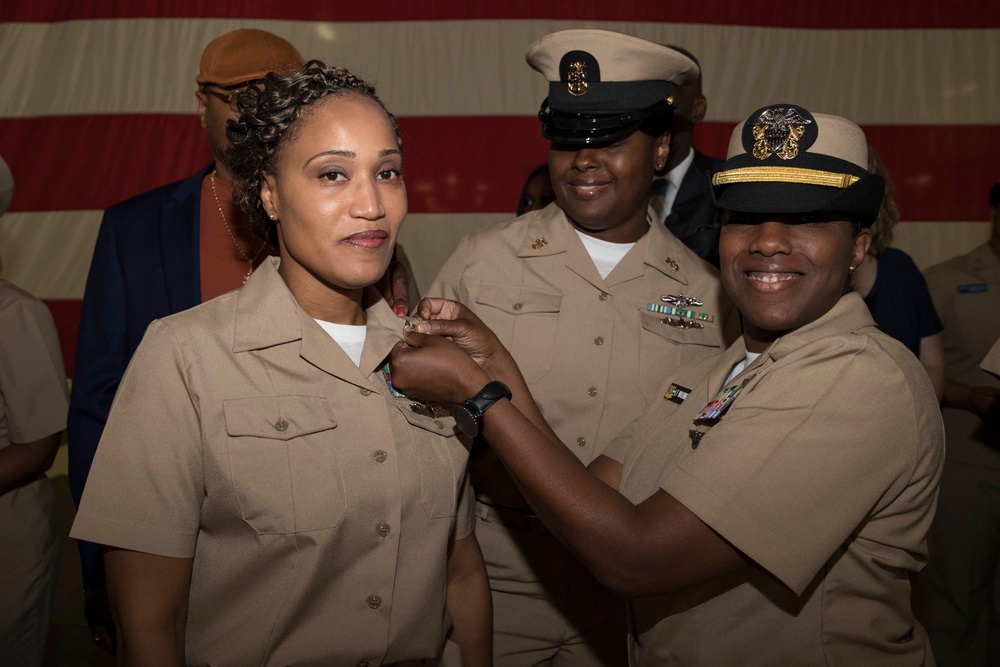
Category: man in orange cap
[158,253]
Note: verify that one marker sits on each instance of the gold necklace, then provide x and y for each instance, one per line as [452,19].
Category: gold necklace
[239,248]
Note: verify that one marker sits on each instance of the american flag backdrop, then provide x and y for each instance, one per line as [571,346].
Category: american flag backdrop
[97,103]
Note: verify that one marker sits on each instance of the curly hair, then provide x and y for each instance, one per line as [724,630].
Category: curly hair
[888,214]
[269,116]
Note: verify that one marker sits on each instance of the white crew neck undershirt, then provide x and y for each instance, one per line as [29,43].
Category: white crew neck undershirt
[350,337]
[604,254]
[738,368]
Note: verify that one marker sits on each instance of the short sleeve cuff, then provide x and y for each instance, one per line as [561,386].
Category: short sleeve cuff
[147,539]
[760,542]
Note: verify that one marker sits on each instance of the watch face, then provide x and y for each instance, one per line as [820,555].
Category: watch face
[465,420]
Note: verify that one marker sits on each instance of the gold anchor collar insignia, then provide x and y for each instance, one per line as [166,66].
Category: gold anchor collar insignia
[538,243]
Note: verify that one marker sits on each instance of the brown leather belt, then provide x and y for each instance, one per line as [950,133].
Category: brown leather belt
[511,518]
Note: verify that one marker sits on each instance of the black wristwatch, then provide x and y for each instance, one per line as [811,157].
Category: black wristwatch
[469,413]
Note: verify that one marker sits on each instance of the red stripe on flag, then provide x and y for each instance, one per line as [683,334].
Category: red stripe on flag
[849,14]
[455,164]
[66,315]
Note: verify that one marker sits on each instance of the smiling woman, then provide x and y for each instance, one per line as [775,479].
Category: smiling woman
[771,508]
[264,494]
[590,276]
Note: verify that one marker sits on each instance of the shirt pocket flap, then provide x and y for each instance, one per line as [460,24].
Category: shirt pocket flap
[278,417]
[707,335]
[518,300]
[418,414]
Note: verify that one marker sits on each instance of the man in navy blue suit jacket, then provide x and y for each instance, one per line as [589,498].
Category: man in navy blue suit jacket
[147,265]
[682,192]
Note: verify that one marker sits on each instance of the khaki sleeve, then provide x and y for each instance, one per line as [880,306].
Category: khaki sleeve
[32,376]
[449,282]
[146,487]
[808,454]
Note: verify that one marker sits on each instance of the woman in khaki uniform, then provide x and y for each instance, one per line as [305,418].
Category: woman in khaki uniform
[266,498]
[33,403]
[771,508]
[595,300]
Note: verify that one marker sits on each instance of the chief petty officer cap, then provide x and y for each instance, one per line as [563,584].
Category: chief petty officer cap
[784,159]
[604,85]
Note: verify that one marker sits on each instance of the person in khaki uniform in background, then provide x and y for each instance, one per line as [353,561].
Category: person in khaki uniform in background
[33,402]
[266,498]
[770,508]
[961,605]
[596,304]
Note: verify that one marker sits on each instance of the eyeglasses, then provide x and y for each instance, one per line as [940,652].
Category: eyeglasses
[228,98]
[232,95]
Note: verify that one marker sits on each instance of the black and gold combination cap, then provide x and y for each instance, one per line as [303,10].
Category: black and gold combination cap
[605,85]
[784,159]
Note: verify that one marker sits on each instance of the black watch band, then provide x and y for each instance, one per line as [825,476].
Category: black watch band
[469,413]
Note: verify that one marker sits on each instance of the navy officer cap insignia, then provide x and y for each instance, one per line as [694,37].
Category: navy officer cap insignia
[777,131]
[785,160]
[605,85]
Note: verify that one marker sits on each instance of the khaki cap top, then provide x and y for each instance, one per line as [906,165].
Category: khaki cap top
[586,68]
[605,85]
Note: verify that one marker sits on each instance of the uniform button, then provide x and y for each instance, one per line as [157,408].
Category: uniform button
[582,442]
[380,455]
[383,529]
[599,340]
[518,306]
[281,425]
[603,296]
[374,601]
[366,392]
[439,423]
[592,391]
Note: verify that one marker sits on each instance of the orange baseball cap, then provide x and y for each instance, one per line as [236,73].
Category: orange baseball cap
[245,55]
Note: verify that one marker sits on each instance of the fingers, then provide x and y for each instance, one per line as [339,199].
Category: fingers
[434,309]
[449,328]
[399,285]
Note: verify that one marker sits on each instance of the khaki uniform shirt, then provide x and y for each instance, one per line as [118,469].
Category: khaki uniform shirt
[33,405]
[966,294]
[318,508]
[592,354]
[823,471]
[32,376]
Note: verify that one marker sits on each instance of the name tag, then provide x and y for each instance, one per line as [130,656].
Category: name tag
[676,393]
[973,288]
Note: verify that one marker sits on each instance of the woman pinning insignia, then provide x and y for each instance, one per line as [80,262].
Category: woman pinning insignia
[771,508]
[576,292]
